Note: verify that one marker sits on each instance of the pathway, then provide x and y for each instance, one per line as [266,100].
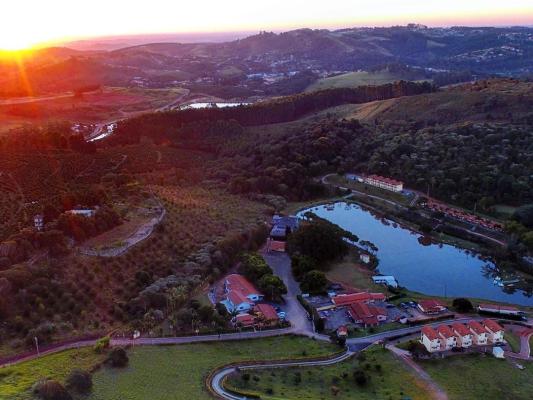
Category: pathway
[435,390]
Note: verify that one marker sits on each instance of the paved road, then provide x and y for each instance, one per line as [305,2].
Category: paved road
[296,314]
[217,380]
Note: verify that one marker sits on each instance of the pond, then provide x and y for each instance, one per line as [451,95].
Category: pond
[212,105]
[425,267]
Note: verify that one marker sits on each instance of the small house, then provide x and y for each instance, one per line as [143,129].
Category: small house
[38,222]
[244,320]
[495,331]
[266,313]
[464,336]
[431,339]
[479,333]
[365,258]
[449,339]
[388,280]
[367,314]
[431,306]
[498,352]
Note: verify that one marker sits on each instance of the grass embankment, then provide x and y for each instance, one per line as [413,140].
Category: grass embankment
[476,376]
[513,340]
[388,380]
[16,381]
[179,372]
[156,372]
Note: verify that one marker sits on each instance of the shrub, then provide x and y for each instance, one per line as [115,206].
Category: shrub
[51,390]
[360,377]
[102,344]
[118,358]
[462,305]
[79,381]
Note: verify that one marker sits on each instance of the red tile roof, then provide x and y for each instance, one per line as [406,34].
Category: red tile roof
[461,329]
[236,282]
[445,331]
[342,330]
[347,299]
[384,179]
[245,319]
[268,311]
[237,297]
[492,325]
[430,333]
[366,313]
[276,245]
[431,305]
[476,327]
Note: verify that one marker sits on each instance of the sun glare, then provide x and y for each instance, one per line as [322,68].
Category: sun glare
[15,43]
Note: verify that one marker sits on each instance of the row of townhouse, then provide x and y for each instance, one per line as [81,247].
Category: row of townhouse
[459,335]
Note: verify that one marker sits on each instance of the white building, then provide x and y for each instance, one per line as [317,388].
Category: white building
[495,331]
[431,339]
[449,339]
[384,183]
[388,280]
[464,336]
[480,335]
[364,258]
[84,213]
[498,352]
[38,222]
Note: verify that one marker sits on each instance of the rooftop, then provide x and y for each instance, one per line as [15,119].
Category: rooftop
[430,333]
[461,329]
[384,179]
[477,327]
[268,311]
[346,299]
[492,325]
[236,282]
[445,331]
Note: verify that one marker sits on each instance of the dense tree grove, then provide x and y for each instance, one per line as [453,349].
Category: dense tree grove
[284,109]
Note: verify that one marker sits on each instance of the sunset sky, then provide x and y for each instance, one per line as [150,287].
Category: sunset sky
[25,23]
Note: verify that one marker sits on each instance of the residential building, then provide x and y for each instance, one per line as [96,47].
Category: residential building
[364,258]
[384,183]
[388,280]
[347,299]
[449,339]
[283,226]
[367,314]
[241,295]
[342,331]
[499,309]
[480,335]
[431,306]
[495,331]
[244,320]
[38,222]
[431,339]
[84,213]
[266,313]
[464,336]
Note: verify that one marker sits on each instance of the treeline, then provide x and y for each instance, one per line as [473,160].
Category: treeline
[53,136]
[269,112]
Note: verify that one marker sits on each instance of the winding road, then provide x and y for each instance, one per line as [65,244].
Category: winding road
[216,381]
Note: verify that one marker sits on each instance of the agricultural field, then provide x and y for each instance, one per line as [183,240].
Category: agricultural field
[179,372]
[353,79]
[386,378]
[488,377]
[16,381]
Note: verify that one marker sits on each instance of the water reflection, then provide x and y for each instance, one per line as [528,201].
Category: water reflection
[424,266]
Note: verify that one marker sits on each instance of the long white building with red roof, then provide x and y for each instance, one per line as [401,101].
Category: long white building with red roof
[384,183]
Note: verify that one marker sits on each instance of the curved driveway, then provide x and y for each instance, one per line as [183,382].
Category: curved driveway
[216,383]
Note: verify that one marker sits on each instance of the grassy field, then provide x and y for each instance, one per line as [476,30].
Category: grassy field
[350,273]
[178,372]
[354,79]
[391,381]
[16,381]
[513,340]
[486,378]
[371,190]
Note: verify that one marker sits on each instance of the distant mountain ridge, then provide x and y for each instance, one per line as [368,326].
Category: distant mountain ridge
[485,51]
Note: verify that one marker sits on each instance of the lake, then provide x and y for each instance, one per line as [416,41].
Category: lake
[433,269]
[212,105]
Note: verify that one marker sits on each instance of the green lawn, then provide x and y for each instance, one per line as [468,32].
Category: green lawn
[513,340]
[392,382]
[178,372]
[16,381]
[474,377]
